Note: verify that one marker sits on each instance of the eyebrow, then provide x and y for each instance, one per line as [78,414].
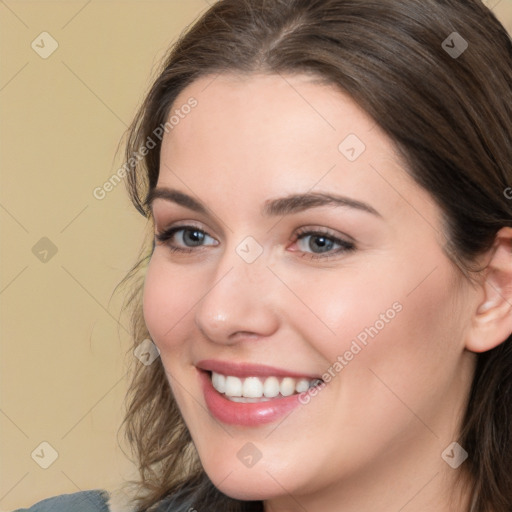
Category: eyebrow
[290,204]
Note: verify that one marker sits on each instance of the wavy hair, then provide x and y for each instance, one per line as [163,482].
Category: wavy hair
[451,119]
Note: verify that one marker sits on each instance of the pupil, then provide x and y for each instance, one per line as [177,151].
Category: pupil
[324,243]
[196,237]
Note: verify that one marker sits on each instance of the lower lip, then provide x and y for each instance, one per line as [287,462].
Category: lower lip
[245,414]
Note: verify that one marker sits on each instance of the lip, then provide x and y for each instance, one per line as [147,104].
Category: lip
[250,370]
[245,414]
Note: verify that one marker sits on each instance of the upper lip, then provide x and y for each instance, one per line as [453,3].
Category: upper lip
[250,369]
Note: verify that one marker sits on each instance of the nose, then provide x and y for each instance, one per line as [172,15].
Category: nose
[240,301]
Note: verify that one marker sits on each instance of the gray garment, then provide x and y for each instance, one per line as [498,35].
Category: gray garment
[96,500]
[84,501]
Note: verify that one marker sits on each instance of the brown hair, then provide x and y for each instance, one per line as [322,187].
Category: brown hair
[451,118]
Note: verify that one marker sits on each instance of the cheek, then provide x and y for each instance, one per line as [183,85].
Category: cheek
[395,320]
[168,309]
[402,346]
[345,306]
[165,302]
[154,302]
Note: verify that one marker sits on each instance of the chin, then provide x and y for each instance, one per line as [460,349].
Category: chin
[244,483]
[249,488]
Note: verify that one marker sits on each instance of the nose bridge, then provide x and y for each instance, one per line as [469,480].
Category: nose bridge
[238,298]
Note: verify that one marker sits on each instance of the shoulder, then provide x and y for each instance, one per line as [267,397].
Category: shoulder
[83,501]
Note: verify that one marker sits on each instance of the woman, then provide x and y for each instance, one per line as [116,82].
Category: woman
[329,289]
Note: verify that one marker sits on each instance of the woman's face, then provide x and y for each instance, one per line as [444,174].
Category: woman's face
[358,293]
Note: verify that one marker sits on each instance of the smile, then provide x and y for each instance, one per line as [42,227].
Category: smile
[256,389]
[251,395]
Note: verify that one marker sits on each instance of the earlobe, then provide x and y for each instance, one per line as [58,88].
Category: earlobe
[492,321]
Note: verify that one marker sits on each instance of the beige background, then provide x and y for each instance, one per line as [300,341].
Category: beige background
[63,349]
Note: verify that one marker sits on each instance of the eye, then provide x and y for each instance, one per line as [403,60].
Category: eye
[321,242]
[189,236]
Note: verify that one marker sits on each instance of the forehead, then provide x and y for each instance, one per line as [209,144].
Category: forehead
[276,110]
[265,135]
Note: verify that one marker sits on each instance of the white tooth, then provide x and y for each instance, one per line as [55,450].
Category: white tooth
[252,388]
[287,387]
[302,385]
[233,386]
[271,387]
[219,382]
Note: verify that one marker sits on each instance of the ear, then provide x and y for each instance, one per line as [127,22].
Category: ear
[492,321]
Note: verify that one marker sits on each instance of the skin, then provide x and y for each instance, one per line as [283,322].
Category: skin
[372,438]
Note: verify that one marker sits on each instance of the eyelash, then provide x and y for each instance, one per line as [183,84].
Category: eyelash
[166,236]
